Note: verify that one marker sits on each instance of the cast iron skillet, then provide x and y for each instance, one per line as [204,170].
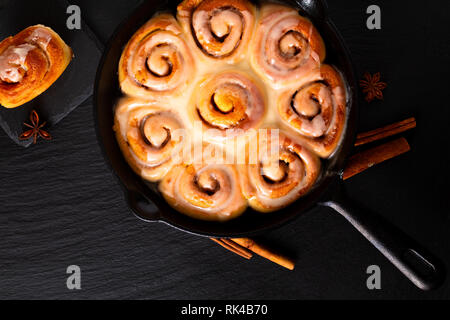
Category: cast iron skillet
[148,205]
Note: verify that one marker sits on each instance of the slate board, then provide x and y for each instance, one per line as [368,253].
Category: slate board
[76,83]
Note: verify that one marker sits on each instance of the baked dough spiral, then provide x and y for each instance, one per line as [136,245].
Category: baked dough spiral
[317,111]
[148,137]
[220,29]
[278,178]
[156,60]
[206,191]
[230,102]
[30,62]
[287,49]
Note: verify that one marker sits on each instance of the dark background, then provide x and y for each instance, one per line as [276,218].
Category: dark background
[60,205]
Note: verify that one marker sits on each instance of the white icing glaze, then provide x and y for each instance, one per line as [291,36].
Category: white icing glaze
[41,37]
[12,62]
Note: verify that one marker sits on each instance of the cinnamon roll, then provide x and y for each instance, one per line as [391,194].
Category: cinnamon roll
[156,60]
[150,137]
[287,49]
[230,102]
[317,111]
[220,29]
[284,171]
[205,190]
[30,62]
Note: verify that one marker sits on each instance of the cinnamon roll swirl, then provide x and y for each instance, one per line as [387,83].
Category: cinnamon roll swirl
[284,171]
[206,191]
[221,29]
[287,48]
[156,60]
[230,102]
[317,111]
[30,62]
[149,136]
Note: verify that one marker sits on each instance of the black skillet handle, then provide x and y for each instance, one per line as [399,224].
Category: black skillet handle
[412,260]
[142,207]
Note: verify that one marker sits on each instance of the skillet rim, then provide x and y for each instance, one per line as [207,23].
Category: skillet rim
[136,193]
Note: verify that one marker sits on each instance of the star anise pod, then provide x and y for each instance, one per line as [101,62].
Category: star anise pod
[372,86]
[35,130]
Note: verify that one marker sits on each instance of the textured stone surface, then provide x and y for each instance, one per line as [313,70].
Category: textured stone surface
[60,205]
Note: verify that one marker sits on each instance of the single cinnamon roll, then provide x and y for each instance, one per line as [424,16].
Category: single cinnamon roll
[149,136]
[221,29]
[230,102]
[205,190]
[284,171]
[30,62]
[287,48]
[156,60]
[317,111]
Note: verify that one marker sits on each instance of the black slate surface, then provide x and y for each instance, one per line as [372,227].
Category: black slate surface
[61,206]
[75,84]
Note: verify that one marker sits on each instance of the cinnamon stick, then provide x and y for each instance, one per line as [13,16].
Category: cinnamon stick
[384,132]
[234,247]
[265,253]
[368,158]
